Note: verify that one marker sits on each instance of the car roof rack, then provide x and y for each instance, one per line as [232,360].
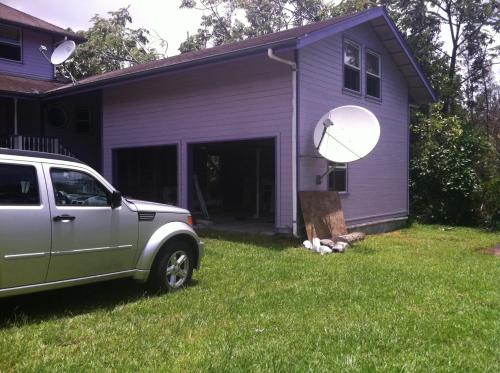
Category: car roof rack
[34,154]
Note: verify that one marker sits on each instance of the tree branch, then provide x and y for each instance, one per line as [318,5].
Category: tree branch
[472,74]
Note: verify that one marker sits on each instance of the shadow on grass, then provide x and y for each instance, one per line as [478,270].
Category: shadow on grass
[71,301]
[270,242]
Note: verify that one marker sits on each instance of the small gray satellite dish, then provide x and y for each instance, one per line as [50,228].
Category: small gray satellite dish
[63,51]
[346,134]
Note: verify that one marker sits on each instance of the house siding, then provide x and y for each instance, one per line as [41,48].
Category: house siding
[243,99]
[33,64]
[378,183]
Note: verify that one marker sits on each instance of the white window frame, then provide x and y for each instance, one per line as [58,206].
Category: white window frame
[17,44]
[379,75]
[358,68]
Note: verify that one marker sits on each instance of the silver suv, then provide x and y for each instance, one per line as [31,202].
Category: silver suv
[63,224]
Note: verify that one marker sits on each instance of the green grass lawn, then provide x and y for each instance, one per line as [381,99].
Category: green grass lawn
[419,299]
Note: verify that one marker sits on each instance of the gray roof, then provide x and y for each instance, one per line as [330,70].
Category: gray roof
[264,41]
[23,86]
[298,37]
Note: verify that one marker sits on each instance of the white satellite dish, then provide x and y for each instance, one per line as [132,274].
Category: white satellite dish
[346,134]
[63,51]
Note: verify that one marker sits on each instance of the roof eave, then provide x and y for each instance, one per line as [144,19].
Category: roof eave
[13,94]
[141,75]
[355,20]
[68,34]
[410,56]
[359,19]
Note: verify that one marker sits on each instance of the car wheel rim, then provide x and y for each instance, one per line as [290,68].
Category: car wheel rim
[177,269]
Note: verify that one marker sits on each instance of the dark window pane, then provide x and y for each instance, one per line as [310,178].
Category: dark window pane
[9,34]
[18,185]
[351,54]
[10,52]
[351,78]
[372,86]
[372,64]
[337,180]
[83,121]
[77,189]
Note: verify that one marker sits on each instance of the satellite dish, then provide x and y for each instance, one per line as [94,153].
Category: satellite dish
[346,134]
[63,51]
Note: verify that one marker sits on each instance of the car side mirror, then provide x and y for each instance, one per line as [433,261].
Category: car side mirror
[116,199]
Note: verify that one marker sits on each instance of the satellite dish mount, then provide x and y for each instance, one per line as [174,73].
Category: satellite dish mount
[61,54]
[345,134]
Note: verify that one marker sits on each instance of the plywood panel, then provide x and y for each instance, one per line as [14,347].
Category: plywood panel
[323,215]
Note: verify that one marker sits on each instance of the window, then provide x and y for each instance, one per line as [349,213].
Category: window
[78,189]
[57,116]
[83,121]
[352,66]
[18,185]
[10,43]
[372,74]
[337,179]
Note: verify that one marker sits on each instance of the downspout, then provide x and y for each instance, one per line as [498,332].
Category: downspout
[293,65]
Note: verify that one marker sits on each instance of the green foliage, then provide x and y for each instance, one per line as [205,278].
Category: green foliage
[111,45]
[490,203]
[446,153]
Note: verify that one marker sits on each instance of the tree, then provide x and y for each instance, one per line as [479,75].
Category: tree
[220,23]
[111,45]
[471,25]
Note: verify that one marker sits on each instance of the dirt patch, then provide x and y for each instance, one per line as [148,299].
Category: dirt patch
[493,251]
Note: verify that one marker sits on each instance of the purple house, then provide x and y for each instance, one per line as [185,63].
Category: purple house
[226,131]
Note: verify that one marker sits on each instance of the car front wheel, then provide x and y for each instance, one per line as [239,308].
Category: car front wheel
[174,268]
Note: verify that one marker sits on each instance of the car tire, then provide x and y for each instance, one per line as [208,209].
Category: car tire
[173,268]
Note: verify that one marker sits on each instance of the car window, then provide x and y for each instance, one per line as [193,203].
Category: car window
[77,188]
[18,185]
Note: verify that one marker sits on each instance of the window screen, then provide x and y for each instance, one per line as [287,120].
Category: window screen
[10,43]
[351,66]
[18,185]
[373,74]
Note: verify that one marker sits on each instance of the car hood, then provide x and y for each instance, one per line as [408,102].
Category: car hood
[156,207]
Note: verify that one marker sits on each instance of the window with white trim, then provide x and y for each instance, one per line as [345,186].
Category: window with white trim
[10,43]
[372,70]
[337,179]
[352,66]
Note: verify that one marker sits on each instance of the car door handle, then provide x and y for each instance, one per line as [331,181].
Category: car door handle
[64,218]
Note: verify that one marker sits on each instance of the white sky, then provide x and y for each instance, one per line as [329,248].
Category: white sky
[162,16]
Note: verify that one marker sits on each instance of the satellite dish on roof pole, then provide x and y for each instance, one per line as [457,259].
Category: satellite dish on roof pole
[346,134]
[60,55]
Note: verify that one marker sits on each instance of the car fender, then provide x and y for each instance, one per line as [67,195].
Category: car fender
[162,235]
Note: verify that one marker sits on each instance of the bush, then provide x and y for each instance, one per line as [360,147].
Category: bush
[490,203]
[445,185]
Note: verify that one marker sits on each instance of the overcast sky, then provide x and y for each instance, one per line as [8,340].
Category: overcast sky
[162,16]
